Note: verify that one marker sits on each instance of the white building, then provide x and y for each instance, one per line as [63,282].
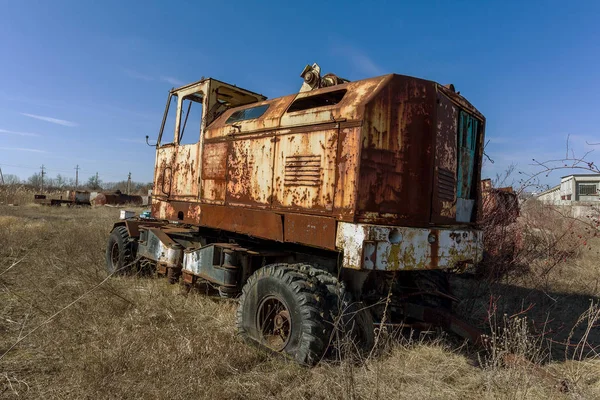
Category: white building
[573,189]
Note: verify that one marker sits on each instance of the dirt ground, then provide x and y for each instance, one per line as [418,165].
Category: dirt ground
[68,332]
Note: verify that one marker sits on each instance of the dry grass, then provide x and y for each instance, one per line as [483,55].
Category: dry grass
[142,338]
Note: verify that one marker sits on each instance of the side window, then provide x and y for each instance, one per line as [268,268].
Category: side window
[191,119]
[587,189]
[246,114]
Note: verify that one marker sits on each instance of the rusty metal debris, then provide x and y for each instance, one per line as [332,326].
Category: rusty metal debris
[116,198]
[86,198]
[42,199]
[502,202]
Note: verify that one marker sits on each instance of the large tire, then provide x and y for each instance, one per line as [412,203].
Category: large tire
[353,322]
[120,252]
[282,309]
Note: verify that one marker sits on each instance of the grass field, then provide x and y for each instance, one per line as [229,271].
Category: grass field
[67,332]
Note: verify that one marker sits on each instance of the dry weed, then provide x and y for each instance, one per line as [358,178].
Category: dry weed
[132,337]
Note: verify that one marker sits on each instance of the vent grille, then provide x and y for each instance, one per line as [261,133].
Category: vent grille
[303,170]
[446,184]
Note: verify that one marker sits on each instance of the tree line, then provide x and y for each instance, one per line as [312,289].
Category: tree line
[93,183]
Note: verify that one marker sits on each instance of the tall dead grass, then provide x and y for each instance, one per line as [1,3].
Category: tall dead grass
[142,338]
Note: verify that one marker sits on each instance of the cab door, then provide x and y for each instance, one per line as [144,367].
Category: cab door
[176,175]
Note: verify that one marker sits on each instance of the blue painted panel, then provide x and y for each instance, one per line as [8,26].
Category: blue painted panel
[467,142]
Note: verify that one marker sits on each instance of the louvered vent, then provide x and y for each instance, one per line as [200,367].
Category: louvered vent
[303,170]
[446,184]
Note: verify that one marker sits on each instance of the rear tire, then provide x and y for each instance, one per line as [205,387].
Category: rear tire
[281,309]
[353,321]
[120,252]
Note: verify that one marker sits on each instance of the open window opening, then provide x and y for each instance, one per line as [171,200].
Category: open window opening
[191,119]
[168,125]
[318,100]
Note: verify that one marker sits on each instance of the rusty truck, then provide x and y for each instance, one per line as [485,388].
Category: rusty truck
[333,209]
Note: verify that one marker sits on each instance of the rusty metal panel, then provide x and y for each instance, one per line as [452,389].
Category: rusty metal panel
[444,173]
[262,224]
[305,171]
[214,172]
[185,172]
[183,211]
[350,107]
[347,161]
[250,172]
[388,248]
[396,155]
[133,225]
[310,229]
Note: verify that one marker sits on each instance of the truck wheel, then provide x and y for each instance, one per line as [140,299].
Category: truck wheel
[352,320]
[281,309]
[120,252]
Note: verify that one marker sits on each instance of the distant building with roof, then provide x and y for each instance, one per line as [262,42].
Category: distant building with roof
[573,189]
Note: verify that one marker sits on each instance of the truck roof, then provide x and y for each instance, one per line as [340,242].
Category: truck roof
[343,102]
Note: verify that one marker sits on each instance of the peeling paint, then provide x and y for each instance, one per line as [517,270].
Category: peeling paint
[369,247]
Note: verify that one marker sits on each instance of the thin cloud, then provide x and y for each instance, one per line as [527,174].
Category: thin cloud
[137,75]
[6,131]
[362,62]
[23,149]
[148,78]
[171,80]
[51,120]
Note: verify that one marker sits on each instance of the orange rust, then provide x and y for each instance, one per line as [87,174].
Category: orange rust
[384,153]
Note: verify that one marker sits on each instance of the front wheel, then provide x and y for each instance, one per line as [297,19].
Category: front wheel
[120,252]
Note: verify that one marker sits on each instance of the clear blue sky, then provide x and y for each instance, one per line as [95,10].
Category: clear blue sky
[83,84]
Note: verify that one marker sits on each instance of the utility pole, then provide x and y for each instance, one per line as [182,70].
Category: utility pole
[129,184]
[97,183]
[1,176]
[76,176]
[43,173]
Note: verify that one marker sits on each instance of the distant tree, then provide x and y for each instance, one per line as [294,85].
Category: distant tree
[94,183]
[60,181]
[10,179]
[35,180]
